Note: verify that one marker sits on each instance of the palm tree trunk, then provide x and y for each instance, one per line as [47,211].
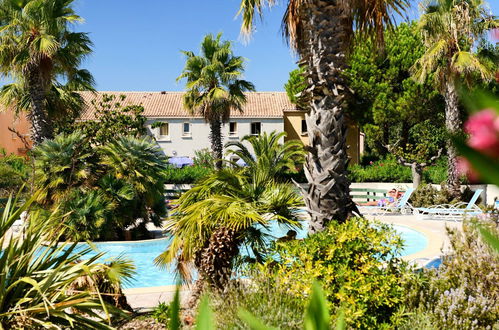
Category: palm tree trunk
[214,263]
[41,127]
[328,197]
[453,125]
[216,141]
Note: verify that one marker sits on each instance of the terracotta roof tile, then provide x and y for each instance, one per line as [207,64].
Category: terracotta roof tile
[169,104]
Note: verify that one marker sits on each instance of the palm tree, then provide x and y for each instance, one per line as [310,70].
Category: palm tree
[451,29]
[61,165]
[321,32]
[36,49]
[218,215]
[63,101]
[140,164]
[214,86]
[269,154]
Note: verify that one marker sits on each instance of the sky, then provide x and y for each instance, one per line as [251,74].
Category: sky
[137,44]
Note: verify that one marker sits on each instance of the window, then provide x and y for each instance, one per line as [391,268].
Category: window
[186,129]
[164,129]
[232,128]
[256,128]
[303,126]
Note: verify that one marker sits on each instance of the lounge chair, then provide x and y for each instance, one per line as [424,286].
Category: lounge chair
[20,223]
[454,212]
[402,206]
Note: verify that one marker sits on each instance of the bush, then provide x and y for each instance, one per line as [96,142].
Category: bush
[186,174]
[427,195]
[356,264]
[204,158]
[264,298]
[386,170]
[160,313]
[463,293]
[436,174]
[14,172]
[389,170]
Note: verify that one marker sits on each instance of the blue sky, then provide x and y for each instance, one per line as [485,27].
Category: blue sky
[137,43]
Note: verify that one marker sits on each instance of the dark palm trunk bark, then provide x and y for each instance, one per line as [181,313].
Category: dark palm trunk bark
[326,27]
[214,262]
[41,127]
[216,141]
[453,125]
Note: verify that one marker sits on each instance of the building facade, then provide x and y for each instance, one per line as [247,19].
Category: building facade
[14,132]
[180,133]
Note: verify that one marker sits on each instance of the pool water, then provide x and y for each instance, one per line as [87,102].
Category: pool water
[149,275]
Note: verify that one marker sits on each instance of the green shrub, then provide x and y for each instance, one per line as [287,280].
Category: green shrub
[386,170]
[186,174]
[389,170]
[160,313]
[264,298]
[463,293]
[356,264]
[437,173]
[427,195]
[204,158]
[14,172]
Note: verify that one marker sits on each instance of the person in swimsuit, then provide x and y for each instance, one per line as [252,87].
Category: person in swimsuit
[393,196]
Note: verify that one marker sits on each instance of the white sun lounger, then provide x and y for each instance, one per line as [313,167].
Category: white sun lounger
[454,212]
[401,207]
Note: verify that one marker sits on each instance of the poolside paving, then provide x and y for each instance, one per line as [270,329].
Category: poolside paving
[435,230]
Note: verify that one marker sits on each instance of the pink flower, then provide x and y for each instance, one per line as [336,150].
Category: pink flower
[483,128]
[495,34]
[371,162]
[464,168]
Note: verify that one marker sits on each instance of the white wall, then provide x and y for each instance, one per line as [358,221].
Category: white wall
[200,131]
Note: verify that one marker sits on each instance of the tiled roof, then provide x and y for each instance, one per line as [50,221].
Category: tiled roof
[169,104]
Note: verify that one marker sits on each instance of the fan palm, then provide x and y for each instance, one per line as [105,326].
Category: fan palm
[140,164]
[214,86]
[61,165]
[37,278]
[321,32]
[36,49]
[218,215]
[63,101]
[451,28]
[269,154]
[85,214]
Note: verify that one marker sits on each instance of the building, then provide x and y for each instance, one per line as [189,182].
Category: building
[180,134]
[14,133]
[295,126]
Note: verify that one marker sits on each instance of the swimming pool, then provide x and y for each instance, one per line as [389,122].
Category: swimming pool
[148,275]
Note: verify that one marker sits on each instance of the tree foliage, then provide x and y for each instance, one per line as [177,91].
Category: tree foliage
[214,86]
[101,190]
[295,85]
[388,103]
[268,153]
[112,117]
[218,216]
[40,53]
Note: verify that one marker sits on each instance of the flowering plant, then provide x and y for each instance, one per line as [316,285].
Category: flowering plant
[481,150]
